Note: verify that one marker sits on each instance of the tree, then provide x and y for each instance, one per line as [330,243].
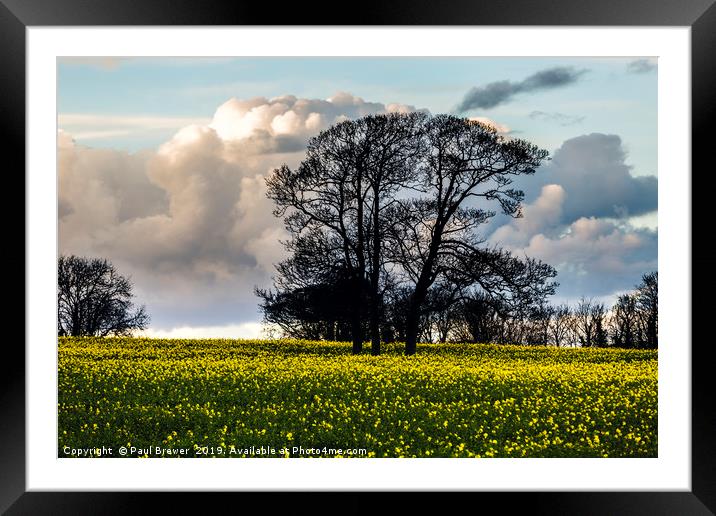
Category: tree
[433,235]
[539,323]
[479,319]
[391,197]
[589,323]
[625,322]
[560,326]
[342,190]
[94,300]
[647,301]
[600,331]
[312,296]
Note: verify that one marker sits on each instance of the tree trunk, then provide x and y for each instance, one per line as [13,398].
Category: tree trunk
[652,338]
[331,331]
[357,332]
[375,328]
[411,330]
[376,305]
[412,322]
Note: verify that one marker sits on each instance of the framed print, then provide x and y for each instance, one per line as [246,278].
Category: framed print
[433,232]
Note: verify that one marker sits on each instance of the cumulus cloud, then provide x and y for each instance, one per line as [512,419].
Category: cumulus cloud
[544,214]
[593,257]
[190,222]
[596,256]
[500,92]
[557,118]
[283,124]
[597,181]
[641,66]
[580,218]
[100,187]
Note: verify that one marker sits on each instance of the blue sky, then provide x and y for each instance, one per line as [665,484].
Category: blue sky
[114,115]
[610,100]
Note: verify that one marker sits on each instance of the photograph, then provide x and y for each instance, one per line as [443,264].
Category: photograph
[459,245]
[357,257]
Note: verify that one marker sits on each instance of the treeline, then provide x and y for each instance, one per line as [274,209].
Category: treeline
[321,312]
[631,323]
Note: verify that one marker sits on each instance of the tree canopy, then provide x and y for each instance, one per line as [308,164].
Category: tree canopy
[95,300]
[394,203]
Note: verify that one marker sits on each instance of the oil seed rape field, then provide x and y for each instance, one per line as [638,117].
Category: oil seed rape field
[228,398]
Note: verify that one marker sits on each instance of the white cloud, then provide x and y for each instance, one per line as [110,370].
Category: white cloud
[647,221]
[85,126]
[190,222]
[294,119]
[541,215]
[593,256]
[251,330]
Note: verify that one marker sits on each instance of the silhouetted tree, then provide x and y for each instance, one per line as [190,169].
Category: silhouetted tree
[539,321]
[464,162]
[601,338]
[314,293]
[561,325]
[626,331]
[393,197]
[315,312]
[647,301]
[94,300]
[479,319]
[589,323]
[343,188]
[635,315]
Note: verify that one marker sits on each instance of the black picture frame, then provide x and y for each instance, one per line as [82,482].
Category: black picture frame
[17,15]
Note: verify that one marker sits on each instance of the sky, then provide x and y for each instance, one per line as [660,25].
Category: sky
[161,165]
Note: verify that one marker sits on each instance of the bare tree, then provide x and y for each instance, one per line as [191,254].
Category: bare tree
[647,301]
[560,324]
[539,321]
[478,319]
[589,323]
[465,162]
[625,322]
[394,196]
[343,189]
[94,300]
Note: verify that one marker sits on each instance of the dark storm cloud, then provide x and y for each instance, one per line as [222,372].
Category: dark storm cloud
[557,118]
[641,66]
[500,92]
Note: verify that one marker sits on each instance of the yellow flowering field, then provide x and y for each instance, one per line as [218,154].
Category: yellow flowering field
[229,398]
